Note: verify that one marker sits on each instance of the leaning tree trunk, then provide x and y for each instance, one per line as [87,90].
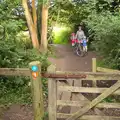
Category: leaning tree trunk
[44,41]
[31,26]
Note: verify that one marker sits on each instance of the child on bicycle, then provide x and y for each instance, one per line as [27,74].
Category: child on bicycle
[84,44]
[73,39]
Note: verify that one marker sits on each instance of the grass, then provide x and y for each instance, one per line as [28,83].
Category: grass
[22,95]
[101,63]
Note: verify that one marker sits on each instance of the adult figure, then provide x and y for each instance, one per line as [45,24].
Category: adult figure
[85,29]
[80,34]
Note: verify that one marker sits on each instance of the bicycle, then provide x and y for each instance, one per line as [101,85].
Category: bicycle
[78,48]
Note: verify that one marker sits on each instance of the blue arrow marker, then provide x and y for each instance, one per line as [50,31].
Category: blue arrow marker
[34,68]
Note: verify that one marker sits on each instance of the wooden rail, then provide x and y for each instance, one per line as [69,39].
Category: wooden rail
[15,71]
[85,89]
[82,103]
[61,75]
[101,69]
[89,117]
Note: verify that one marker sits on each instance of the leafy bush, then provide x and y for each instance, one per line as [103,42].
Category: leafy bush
[16,52]
[106,42]
[13,56]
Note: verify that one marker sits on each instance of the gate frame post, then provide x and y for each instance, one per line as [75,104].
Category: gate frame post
[94,69]
[52,95]
[37,93]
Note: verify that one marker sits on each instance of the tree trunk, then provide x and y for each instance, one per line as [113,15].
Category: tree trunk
[34,14]
[39,16]
[31,26]
[44,41]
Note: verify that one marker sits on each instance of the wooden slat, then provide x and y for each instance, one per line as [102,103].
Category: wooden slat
[71,103]
[85,73]
[94,84]
[97,100]
[91,77]
[15,71]
[100,69]
[81,97]
[82,75]
[89,117]
[85,89]
[62,75]
[108,105]
[52,95]
[82,103]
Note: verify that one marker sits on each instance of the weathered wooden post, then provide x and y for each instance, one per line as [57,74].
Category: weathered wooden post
[36,87]
[52,94]
[94,69]
[94,66]
[94,84]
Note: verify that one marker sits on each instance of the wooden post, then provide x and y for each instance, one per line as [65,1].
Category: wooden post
[37,93]
[94,84]
[94,66]
[52,95]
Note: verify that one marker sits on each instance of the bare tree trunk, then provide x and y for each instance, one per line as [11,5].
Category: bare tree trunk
[31,26]
[44,41]
[34,14]
[39,16]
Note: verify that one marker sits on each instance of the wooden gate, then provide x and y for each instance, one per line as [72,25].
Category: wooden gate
[84,105]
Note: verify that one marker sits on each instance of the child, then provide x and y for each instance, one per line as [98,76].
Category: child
[73,39]
[84,43]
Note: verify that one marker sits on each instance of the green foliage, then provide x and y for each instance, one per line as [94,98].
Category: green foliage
[13,57]
[16,52]
[106,29]
[62,36]
[11,95]
[111,99]
[45,116]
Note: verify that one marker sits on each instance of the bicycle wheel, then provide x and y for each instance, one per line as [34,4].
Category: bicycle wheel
[80,51]
[74,48]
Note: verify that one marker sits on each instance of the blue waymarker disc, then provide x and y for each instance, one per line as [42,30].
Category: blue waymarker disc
[34,68]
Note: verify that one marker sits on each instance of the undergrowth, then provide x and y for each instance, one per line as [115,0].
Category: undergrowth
[16,89]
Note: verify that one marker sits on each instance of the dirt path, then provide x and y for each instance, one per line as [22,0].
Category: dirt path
[66,61]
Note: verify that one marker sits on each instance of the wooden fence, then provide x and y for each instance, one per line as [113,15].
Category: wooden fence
[83,103]
[64,77]
[36,85]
